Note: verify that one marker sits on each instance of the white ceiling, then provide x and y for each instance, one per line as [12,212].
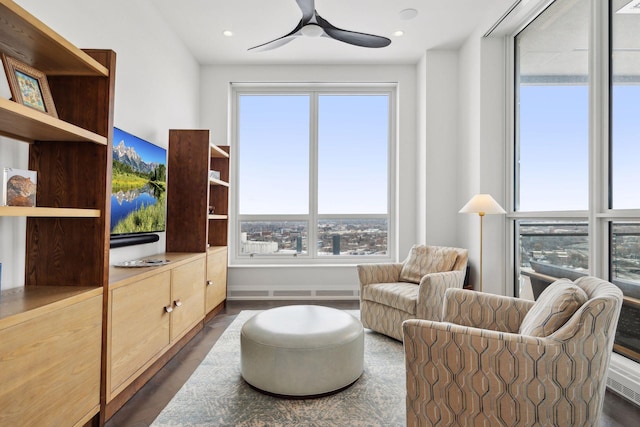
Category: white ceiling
[440,24]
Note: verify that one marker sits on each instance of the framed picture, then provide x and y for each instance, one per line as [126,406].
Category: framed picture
[28,86]
[19,187]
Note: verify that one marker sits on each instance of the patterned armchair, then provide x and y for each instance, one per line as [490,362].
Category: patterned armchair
[414,289]
[497,360]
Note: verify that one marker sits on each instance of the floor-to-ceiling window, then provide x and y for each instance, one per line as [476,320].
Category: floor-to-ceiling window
[577,151]
[552,140]
[314,173]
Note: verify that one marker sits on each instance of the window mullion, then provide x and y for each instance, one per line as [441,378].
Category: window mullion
[599,106]
[313,175]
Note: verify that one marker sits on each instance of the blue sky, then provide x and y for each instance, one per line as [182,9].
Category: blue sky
[149,152]
[554,144]
[554,147]
[274,154]
[626,147]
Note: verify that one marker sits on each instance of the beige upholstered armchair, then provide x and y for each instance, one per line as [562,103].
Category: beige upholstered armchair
[394,292]
[498,360]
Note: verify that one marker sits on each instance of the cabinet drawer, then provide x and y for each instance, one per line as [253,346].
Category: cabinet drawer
[216,278]
[50,367]
[139,327]
[187,296]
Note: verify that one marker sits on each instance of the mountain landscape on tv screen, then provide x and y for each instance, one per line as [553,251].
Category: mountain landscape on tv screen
[129,156]
[138,190]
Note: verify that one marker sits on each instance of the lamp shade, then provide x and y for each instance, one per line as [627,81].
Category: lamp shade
[482,204]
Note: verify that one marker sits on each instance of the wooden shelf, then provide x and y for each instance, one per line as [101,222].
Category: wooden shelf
[27,39]
[20,304]
[218,182]
[218,217]
[49,212]
[21,122]
[217,152]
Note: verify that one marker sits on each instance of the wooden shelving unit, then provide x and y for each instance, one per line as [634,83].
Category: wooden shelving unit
[190,194]
[67,238]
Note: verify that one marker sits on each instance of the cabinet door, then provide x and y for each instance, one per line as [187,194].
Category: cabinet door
[187,297]
[216,278]
[139,327]
[50,367]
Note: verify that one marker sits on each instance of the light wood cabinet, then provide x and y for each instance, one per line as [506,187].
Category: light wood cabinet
[216,291]
[187,282]
[51,330]
[149,311]
[50,358]
[139,327]
[198,206]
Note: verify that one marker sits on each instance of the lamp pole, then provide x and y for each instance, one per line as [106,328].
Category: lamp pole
[481,215]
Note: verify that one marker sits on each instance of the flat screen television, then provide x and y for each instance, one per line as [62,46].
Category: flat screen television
[138,190]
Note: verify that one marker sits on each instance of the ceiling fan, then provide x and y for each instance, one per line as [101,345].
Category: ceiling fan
[313,25]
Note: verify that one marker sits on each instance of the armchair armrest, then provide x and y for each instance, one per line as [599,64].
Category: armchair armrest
[378,273]
[432,290]
[484,311]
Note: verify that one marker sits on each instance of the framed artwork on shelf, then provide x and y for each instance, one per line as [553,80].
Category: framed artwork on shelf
[28,86]
[18,187]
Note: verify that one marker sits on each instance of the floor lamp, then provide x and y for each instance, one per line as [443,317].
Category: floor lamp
[482,204]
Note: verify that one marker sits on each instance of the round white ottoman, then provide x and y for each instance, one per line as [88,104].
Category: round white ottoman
[301,350]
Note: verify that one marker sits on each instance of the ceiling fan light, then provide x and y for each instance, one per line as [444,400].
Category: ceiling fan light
[398,33]
[312,30]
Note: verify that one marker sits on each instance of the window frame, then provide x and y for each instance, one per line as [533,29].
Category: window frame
[311,257]
[599,215]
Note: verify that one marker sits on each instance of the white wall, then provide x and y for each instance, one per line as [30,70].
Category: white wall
[441,165]
[157,88]
[482,146]
[214,115]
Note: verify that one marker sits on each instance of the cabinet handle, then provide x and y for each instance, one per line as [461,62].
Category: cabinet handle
[177,303]
[168,309]
[209,282]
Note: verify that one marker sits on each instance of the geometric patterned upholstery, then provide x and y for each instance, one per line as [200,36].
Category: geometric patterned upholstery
[386,301]
[555,305]
[423,260]
[475,369]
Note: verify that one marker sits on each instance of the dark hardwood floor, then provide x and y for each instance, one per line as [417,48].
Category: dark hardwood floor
[145,406]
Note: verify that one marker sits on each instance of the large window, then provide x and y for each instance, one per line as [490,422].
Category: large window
[314,174]
[552,140]
[576,152]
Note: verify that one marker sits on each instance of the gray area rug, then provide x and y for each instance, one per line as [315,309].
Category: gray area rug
[216,394]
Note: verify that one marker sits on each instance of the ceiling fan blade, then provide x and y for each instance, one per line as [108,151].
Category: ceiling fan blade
[307,7]
[273,44]
[352,37]
[281,41]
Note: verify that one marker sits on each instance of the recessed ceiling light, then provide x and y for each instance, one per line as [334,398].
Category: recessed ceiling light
[398,33]
[407,14]
[227,33]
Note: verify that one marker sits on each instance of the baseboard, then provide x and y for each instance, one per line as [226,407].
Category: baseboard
[624,378]
[292,294]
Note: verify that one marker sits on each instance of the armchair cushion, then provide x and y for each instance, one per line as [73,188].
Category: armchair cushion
[400,295]
[555,305]
[424,260]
